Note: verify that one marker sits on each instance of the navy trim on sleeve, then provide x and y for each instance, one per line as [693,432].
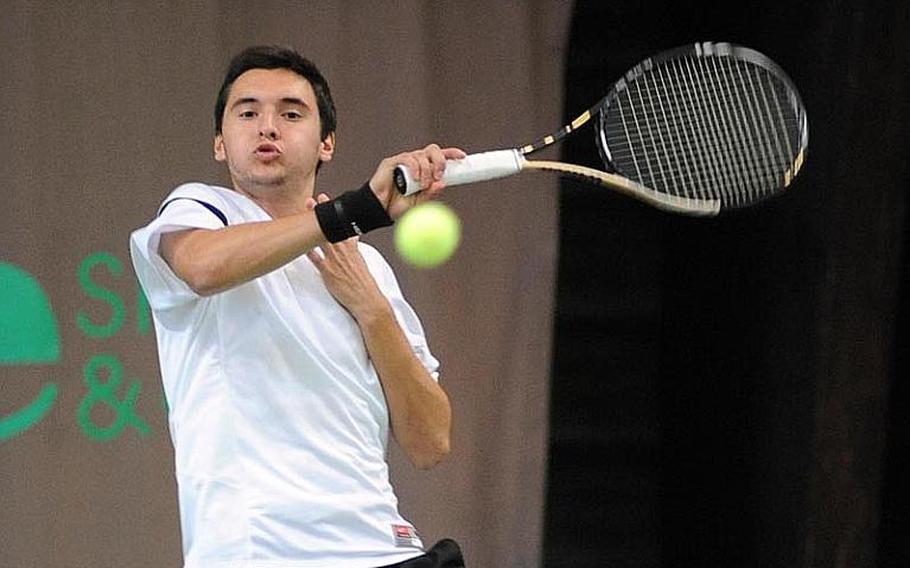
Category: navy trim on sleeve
[215,211]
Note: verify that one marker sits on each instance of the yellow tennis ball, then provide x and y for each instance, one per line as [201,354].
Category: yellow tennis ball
[428,234]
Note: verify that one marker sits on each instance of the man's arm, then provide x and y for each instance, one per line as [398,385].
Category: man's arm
[419,408]
[211,261]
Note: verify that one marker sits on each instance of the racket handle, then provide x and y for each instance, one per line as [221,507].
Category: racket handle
[470,169]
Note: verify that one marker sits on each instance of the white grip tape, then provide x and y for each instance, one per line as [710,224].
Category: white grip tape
[473,168]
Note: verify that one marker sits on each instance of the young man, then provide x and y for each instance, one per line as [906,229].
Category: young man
[287,350]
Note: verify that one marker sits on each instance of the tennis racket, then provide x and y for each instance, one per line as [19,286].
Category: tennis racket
[696,129]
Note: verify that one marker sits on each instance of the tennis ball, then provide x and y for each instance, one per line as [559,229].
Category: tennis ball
[428,234]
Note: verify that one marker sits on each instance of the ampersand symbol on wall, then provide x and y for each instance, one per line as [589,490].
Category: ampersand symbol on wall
[105,391]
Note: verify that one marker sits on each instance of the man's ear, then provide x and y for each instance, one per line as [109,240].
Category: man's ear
[327,148]
[220,154]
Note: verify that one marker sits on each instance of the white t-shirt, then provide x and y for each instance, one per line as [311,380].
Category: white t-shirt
[278,419]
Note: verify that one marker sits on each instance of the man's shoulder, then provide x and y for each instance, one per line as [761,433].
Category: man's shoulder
[226,203]
[198,189]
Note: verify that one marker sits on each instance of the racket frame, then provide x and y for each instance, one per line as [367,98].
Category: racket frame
[501,163]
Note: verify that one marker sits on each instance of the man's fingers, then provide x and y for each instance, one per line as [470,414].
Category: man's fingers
[437,161]
[425,168]
[439,158]
[427,165]
[410,163]
[454,153]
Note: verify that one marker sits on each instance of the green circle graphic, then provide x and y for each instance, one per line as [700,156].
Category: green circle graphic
[28,336]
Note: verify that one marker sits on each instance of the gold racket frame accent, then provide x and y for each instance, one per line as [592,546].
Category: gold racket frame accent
[628,187]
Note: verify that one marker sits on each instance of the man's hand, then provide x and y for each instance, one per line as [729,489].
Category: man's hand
[419,410]
[346,274]
[426,165]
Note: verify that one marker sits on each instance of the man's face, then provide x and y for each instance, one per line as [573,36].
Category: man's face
[270,134]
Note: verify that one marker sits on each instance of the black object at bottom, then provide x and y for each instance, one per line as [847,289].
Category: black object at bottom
[445,554]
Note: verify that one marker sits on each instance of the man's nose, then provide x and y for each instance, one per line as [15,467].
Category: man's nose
[268,128]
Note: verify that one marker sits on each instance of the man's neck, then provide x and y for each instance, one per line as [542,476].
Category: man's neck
[279,201]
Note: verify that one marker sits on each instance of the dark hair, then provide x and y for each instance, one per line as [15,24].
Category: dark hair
[274,57]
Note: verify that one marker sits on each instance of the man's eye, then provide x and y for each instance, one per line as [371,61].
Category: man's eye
[293,115]
[248,114]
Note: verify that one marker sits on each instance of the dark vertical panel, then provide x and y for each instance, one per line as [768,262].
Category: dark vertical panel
[893,551]
[862,95]
[603,491]
[771,328]
[737,352]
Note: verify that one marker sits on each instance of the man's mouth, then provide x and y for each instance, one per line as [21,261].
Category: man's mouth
[267,152]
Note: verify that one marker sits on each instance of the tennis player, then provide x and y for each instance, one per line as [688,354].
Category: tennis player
[286,347]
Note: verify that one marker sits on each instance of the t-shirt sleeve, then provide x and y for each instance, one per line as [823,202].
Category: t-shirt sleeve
[190,206]
[407,317]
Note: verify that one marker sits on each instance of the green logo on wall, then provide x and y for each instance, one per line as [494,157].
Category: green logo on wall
[28,336]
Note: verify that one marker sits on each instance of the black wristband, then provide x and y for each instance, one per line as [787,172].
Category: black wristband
[351,213]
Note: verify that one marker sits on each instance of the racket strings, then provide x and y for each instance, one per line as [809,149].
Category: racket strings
[727,155]
[721,142]
[705,128]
